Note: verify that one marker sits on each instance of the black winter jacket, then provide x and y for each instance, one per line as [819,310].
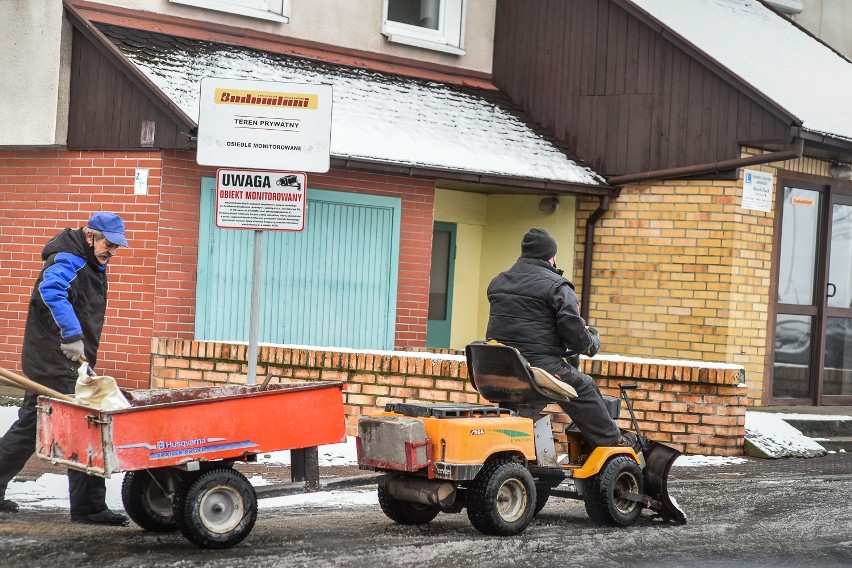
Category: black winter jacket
[534,309]
[68,303]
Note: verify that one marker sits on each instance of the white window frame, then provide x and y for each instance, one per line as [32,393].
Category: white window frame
[448,38]
[272,10]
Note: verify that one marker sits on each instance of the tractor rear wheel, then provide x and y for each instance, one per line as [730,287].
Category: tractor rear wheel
[607,502]
[405,512]
[501,500]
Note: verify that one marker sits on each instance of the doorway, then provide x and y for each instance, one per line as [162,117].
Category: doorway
[441,276]
[812,355]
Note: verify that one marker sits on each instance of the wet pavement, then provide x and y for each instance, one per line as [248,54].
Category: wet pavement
[763,513]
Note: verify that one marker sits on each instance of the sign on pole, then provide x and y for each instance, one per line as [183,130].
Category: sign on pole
[260,200]
[264,125]
[258,126]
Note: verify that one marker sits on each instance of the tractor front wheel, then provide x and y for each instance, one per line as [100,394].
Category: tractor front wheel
[542,494]
[611,496]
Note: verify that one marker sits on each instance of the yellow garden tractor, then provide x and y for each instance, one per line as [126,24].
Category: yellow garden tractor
[500,462]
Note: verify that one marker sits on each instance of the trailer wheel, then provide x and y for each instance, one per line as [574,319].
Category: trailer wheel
[216,510]
[147,499]
[604,501]
[502,498]
[406,512]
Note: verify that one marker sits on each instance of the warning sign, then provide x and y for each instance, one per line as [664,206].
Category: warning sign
[260,200]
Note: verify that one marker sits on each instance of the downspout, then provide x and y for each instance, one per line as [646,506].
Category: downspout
[587,255]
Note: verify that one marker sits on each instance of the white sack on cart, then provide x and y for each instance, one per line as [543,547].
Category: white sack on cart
[100,392]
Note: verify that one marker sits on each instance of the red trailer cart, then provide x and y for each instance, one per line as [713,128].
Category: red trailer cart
[177,448]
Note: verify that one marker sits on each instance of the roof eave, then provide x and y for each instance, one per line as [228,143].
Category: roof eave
[702,57]
[102,43]
[550,187]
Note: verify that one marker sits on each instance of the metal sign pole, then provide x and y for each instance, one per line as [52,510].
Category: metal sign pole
[254,319]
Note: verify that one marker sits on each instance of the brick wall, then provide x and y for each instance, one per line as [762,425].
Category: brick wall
[682,271]
[45,191]
[152,285]
[695,408]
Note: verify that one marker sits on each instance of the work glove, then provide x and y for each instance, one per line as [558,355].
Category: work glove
[574,360]
[596,342]
[73,350]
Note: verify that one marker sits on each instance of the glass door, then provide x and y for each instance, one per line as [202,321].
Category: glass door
[441,274]
[812,356]
[793,376]
[837,353]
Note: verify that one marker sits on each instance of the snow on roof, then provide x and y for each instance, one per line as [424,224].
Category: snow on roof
[766,50]
[375,116]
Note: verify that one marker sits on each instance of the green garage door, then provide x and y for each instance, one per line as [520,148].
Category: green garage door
[333,284]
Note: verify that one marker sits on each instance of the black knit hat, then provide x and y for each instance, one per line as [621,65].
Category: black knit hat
[538,243]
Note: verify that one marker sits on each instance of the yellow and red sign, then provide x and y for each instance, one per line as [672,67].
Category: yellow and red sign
[264,125]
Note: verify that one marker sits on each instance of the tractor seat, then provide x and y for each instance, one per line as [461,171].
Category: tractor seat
[502,375]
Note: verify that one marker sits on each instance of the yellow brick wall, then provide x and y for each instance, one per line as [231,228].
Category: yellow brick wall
[682,271]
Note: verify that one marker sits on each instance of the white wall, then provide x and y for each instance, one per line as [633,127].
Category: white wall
[34,67]
[354,24]
[829,20]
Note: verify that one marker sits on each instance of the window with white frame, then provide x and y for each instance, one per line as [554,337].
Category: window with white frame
[274,10]
[430,24]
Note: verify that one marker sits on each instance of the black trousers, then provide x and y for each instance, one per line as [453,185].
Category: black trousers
[87,493]
[588,410]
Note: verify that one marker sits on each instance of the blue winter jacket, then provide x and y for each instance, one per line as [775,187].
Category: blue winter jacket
[68,303]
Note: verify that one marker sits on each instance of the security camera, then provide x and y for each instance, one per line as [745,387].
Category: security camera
[548,205]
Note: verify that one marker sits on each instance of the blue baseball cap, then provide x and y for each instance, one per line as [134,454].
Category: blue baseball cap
[110,225]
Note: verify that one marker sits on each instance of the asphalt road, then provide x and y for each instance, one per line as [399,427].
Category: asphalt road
[765,513]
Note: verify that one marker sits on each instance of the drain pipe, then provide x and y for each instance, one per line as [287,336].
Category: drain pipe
[795,151]
[587,255]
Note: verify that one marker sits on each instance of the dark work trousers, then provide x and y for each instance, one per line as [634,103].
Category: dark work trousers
[588,410]
[87,493]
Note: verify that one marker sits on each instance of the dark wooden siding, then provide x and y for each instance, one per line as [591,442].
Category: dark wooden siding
[108,108]
[617,94]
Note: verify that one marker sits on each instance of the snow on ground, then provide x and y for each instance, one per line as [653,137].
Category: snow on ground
[51,490]
[771,435]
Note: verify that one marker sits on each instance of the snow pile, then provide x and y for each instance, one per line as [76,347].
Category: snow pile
[769,436]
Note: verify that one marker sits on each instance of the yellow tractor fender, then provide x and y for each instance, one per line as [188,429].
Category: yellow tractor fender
[598,458]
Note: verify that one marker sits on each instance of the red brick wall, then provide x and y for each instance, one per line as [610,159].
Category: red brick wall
[45,191]
[695,409]
[152,286]
[177,253]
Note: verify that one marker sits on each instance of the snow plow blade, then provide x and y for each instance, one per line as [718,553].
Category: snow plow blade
[658,461]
